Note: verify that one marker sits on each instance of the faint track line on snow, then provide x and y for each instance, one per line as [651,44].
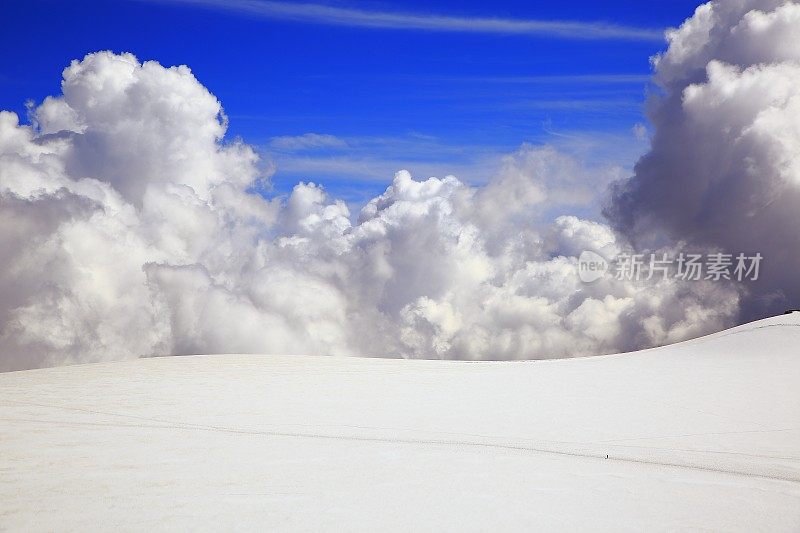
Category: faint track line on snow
[655,437]
[169,424]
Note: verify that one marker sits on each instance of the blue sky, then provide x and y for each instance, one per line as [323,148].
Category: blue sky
[345,93]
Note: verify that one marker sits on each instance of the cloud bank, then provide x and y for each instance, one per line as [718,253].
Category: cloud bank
[129,227]
[723,171]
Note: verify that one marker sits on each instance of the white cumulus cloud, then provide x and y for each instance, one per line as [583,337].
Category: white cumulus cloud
[128,228]
[723,171]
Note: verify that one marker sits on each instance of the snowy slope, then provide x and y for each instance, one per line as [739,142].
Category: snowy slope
[703,434]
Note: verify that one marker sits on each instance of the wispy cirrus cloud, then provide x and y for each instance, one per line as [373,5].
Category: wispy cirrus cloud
[306,141]
[365,160]
[572,79]
[320,157]
[590,104]
[405,20]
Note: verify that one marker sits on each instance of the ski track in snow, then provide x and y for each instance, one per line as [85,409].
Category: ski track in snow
[488,443]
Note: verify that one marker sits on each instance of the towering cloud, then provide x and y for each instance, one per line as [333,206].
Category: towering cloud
[128,227]
[724,168]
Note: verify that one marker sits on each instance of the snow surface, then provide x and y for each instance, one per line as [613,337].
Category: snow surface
[700,435]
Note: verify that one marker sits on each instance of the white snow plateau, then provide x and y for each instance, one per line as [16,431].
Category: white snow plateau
[700,435]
